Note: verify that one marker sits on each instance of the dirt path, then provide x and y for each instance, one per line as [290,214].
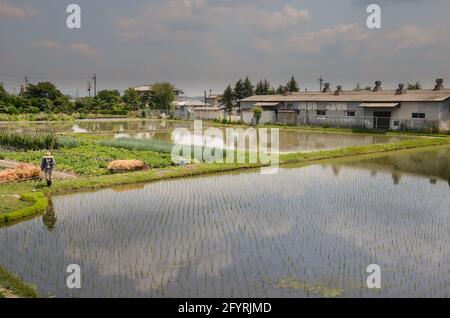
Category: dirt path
[10,164]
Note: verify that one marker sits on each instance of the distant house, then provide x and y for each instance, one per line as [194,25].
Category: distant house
[214,100]
[145,89]
[400,109]
[209,113]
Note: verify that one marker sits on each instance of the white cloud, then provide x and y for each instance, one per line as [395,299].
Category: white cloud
[313,42]
[85,49]
[78,48]
[9,10]
[413,37]
[272,21]
[262,46]
[47,45]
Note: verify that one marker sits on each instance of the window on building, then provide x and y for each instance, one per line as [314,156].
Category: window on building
[321,112]
[418,115]
[351,114]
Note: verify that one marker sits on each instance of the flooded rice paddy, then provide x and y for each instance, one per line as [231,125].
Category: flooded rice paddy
[304,232]
[290,140]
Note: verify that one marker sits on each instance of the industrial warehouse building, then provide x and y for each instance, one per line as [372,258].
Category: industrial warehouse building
[399,109]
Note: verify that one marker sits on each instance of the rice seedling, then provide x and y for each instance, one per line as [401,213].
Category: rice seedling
[305,232]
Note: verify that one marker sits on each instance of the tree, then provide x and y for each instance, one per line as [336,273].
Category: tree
[257,113]
[132,98]
[108,95]
[281,89]
[43,90]
[2,91]
[259,88]
[248,88]
[239,90]
[292,85]
[415,86]
[267,87]
[163,96]
[357,87]
[228,98]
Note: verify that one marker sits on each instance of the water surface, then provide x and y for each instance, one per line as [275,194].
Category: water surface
[290,140]
[304,232]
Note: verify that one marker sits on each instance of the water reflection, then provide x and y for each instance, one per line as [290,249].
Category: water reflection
[240,235]
[431,164]
[49,218]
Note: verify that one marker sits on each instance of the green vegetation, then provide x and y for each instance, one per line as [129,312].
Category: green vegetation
[27,138]
[90,158]
[244,88]
[39,201]
[162,96]
[257,113]
[11,203]
[292,283]
[44,101]
[15,286]
[139,144]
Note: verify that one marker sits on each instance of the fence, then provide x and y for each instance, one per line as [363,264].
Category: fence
[378,123]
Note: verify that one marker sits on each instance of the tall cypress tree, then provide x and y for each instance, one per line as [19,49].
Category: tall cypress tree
[228,98]
[239,90]
[280,90]
[292,85]
[248,87]
[260,88]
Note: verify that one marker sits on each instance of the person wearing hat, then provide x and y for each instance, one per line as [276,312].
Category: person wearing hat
[47,166]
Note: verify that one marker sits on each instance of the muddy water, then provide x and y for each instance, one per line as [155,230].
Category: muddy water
[304,232]
[290,141]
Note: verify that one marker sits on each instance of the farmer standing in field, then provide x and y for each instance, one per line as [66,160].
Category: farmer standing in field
[47,166]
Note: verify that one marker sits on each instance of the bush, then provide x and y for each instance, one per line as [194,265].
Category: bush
[139,144]
[67,142]
[27,139]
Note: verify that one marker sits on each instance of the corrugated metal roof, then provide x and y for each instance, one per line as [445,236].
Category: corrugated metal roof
[361,97]
[379,105]
[267,104]
[208,108]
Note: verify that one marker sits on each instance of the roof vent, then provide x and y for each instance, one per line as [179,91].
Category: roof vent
[378,87]
[400,90]
[339,90]
[326,88]
[439,85]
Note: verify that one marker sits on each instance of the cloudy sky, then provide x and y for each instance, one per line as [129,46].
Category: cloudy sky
[206,44]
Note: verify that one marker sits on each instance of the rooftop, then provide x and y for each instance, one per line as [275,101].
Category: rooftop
[422,95]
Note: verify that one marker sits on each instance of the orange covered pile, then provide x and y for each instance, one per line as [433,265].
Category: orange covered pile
[20,173]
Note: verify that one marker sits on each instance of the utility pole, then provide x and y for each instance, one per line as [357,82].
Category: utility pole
[320,82]
[95,84]
[26,82]
[206,105]
[89,88]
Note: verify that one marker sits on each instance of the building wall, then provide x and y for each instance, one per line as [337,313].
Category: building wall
[437,115]
[209,115]
[267,117]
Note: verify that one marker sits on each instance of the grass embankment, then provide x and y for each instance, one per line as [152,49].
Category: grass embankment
[38,204]
[12,286]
